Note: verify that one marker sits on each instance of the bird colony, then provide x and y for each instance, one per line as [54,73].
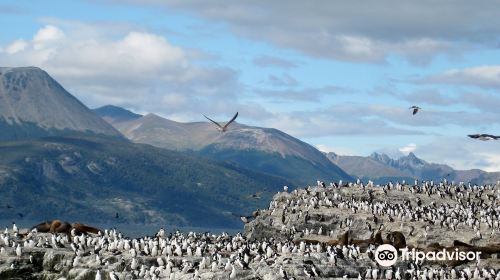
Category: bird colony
[325,231]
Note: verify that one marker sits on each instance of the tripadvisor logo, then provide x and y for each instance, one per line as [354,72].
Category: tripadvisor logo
[387,255]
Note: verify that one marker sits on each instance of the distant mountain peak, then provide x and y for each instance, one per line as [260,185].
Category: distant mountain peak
[383,158]
[153,116]
[34,105]
[112,113]
[411,159]
[412,155]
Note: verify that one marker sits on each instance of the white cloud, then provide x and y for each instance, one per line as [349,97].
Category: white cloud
[487,76]
[491,161]
[175,99]
[416,30]
[410,148]
[357,46]
[463,154]
[16,46]
[345,120]
[133,68]
[46,35]
[325,148]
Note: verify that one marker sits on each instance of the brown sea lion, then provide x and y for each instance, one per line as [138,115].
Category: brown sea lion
[58,226]
[42,227]
[397,239]
[344,239]
[85,228]
[460,243]
[377,239]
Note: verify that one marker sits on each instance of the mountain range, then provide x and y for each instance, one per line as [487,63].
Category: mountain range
[61,160]
[274,152]
[264,150]
[381,168]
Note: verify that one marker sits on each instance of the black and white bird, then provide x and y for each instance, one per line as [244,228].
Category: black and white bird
[283,273]
[113,275]
[484,137]
[415,109]
[220,127]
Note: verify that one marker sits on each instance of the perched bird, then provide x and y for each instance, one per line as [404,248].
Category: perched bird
[113,276]
[484,137]
[98,275]
[220,127]
[283,273]
[18,251]
[415,109]
[233,272]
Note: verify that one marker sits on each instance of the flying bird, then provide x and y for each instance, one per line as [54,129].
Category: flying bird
[220,127]
[415,109]
[484,137]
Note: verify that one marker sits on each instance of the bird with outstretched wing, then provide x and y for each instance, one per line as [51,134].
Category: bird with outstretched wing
[220,127]
[484,137]
[415,109]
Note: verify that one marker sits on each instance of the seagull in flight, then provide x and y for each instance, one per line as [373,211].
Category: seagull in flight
[220,127]
[415,109]
[484,137]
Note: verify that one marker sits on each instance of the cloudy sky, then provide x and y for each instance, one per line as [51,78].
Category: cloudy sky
[339,75]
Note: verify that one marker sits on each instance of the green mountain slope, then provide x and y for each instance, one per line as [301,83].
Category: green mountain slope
[91,179]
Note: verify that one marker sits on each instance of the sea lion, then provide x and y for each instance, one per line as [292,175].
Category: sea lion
[397,239]
[344,239]
[81,228]
[58,226]
[377,239]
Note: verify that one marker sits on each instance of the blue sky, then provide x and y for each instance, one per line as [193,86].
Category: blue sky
[339,75]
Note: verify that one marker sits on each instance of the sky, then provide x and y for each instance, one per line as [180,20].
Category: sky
[339,75]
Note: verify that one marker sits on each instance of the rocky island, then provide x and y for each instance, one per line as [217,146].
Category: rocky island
[325,231]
